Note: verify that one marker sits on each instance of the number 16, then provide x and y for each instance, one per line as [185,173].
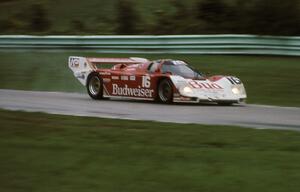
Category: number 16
[146,81]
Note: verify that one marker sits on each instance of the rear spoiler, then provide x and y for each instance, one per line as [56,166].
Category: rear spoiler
[131,60]
[83,66]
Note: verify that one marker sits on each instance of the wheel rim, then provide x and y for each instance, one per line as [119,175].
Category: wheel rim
[165,91]
[95,85]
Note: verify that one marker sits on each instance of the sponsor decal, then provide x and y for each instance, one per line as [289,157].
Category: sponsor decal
[82,76]
[132,92]
[234,80]
[106,80]
[74,62]
[115,77]
[124,78]
[204,85]
[79,75]
[105,73]
[132,78]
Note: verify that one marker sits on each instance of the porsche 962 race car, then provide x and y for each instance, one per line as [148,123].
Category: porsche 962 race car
[162,80]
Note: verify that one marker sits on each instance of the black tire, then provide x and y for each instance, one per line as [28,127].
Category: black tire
[165,91]
[95,86]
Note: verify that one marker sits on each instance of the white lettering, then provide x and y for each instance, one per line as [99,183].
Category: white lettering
[146,81]
[204,85]
[135,92]
[132,78]
[104,73]
[125,78]
[115,89]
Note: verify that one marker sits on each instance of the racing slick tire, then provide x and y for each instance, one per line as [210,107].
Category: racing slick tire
[165,91]
[95,86]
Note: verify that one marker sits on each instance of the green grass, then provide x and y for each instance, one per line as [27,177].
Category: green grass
[41,152]
[268,80]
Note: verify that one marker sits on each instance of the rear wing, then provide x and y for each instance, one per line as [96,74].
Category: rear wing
[83,66]
[131,60]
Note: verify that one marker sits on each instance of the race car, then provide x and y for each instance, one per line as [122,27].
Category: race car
[163,80]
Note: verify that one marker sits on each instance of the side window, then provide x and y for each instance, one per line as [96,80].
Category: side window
[153,67]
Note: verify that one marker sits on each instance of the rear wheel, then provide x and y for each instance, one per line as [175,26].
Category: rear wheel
[95,86]
[165,91]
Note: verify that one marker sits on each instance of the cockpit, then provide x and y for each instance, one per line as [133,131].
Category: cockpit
[174,67]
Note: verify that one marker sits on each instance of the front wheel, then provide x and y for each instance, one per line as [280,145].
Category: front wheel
[95,86]
[165,91]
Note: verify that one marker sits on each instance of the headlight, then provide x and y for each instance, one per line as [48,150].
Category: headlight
[235,90]
[187,90]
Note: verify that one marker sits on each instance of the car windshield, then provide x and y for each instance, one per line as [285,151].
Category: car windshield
[181,70]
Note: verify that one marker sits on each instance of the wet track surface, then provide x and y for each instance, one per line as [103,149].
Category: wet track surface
[257,116]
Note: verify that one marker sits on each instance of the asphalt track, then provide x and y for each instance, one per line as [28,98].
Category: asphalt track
[257,116]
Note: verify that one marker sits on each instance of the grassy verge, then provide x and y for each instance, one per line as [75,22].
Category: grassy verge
[41,152]
[268,80]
